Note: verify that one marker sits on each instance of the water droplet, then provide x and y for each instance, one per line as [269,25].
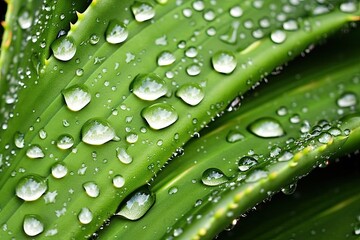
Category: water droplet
[288,190]
[159,115]
[31,187]
[116,32]
[178,232]
[256,175]
[96,132]
[59,170]
[236,11]
[234,136]
[79,72]
[198,5]
[286,156]
[278,36]
[137,204]
[25,19]
[76,97]
[64,48]
[193,69]
[35,151]
[266,127]
[290,25]
[19,140]
[348,7]
[94,39]
[325,138]
[224,62]
[123,156]
[335,131]
[213,177]
[191,93]
[282,111]
[85,216]
[148,86]
[42,134]
[32,225]
[209,15]
[191,52]
[91,189]
[166,58]
[65,141]
[245,163]
[142,11]
[347,99]
[118,181]
[173,190]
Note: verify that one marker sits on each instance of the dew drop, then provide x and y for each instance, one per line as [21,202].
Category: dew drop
[19,140]
[166,58]
[25,19]
[193,69]
[335,131]
[278,36]
[91,189]
[32,225]
[64,48]
[159,115]
[173,190]
[76,97]
[290,25]
[79,72]
[213,177]
[132,138]
[123,156]
[137,204]
[348,7]
[191,93]
[116,32]
[256,175]
[65,141]
[118,181]
[31,187]
[97,132]
[198,5]
[325,138]
[234,136]
[236,11]
[288,190]
[266,127]
[59,170]
[209,15]
[245,163]
[347,99]
[191,52]
[148,87]
[94,39]
[142,11]
[35,151]
[286,156]
[85,216]
[224,62]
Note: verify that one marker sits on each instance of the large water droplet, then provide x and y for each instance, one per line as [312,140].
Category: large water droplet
[65,141]
[166,58]
[91,189]
[25,19]
[31,187]
[116,32]
[35,151]
[224,62]
[64,48]
[159,115]
[234,136]
[191,93]
[59,170]
[142,11]
[278,36]
[32,225]
[236,11]
[118,181]
[148,86]
[213,177]
[85,216]
[137,204]
[266,127]
[245,163]
[347,99]
[96,132]
[123,156]
[76,97]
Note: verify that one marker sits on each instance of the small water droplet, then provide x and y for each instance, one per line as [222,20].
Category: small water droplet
[94,39]
[42,134]
[166,58]
[91,189]
[198,5]
[245,163]
[132,138]
[159,115]
[193,69]
[123,155]
[347,99]
[209,15]
[234,136]
[31,187]
[59,170]
[290,25]
[177,232]
[278,36]
[76,97]
[191,93]
[32,225]
[236,11]
[137,204]
[65,141]
[213,177]
[79,72]
[35,151]
[148,87]
[19,140]
[64,48]
[224,62]
[118,181]
[25,19]
[116,32]
[282,111]
[97,132]
[256,175]
[266,127]
[290,189]
[335,131]
[325,138]
[142,11]
[85,216]
[191,52]
[173,190]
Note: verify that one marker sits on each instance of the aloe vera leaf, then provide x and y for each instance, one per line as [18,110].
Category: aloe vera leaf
[179,184]
[53,115]
[307,213]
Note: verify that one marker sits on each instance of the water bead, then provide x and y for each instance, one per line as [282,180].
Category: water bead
[85,216]
[65,141]
[245,163]
[64,48]
[159,115]
[76,97]
[347,99]
[142,11]
[266,127]
[31,187]
[224,62]
[278,36]
[116,32]
[91,189]
[191,93]
[213,177]
[148,87]
[32,225]
[166,58]
[97,132]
